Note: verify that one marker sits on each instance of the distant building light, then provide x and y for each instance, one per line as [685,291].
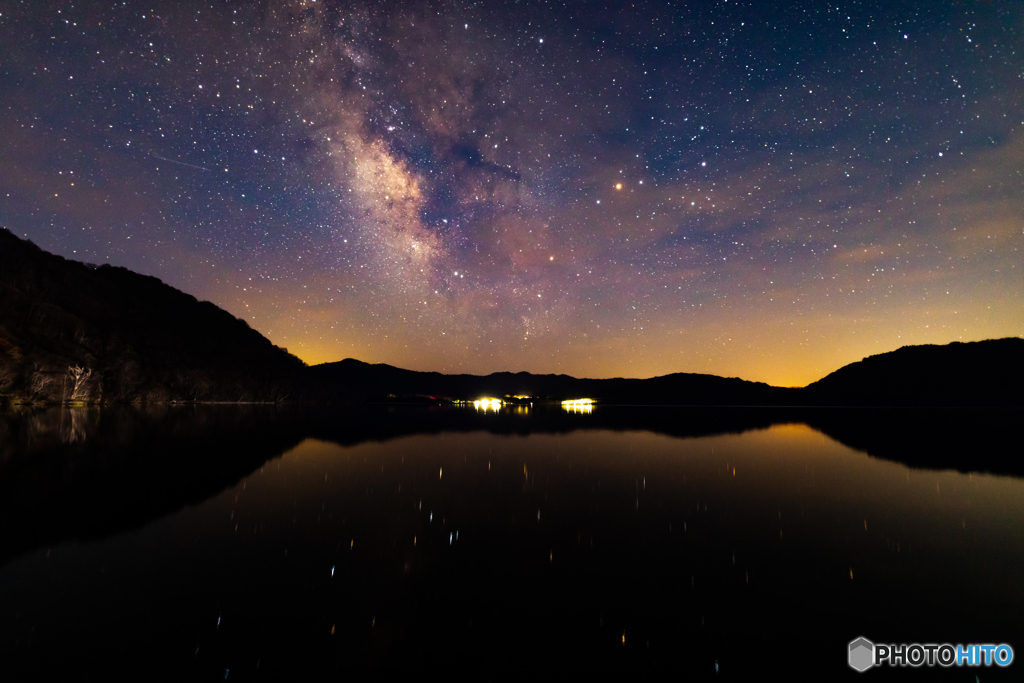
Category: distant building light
[579,405]
[488,403]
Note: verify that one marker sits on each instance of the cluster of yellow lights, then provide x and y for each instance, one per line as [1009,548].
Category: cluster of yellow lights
[579,405]
[487,404]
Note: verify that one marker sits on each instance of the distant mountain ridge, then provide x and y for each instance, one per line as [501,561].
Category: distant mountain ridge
[381,381]
[969,374]
[71,332]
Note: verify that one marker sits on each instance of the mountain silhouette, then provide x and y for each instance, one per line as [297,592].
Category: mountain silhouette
[972,374]
[72,332]
[385,381]
[984,373]
[75,332]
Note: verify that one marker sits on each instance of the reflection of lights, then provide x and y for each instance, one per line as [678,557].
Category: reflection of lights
[487,404]
[579,405]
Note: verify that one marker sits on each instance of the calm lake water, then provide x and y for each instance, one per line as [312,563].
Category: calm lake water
[213,543]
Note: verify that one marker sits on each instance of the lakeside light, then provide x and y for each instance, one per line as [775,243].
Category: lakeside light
[579,405]
[488,403]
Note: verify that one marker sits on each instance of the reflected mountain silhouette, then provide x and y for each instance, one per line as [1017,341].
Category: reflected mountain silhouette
[962,439]
[82,473]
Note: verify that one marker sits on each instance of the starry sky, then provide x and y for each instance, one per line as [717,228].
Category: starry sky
[767,190]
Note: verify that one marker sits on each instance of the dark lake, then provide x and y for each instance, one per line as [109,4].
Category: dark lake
[214,542]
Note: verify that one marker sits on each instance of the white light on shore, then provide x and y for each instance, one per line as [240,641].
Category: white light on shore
[488,404]
[579,405]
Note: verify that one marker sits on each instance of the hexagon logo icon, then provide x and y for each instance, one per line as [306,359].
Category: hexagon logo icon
[862,654]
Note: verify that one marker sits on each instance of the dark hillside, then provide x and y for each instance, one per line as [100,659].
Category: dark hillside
[71,331]
[983,373]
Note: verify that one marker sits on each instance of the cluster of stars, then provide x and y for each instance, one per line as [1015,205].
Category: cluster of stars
[556,189]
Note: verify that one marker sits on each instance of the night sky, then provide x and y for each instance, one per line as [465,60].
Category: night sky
[759,189]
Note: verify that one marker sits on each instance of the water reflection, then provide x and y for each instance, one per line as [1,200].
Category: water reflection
[430,538]
[69,473]
[88,472]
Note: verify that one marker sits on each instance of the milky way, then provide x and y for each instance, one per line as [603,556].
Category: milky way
[764,190]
